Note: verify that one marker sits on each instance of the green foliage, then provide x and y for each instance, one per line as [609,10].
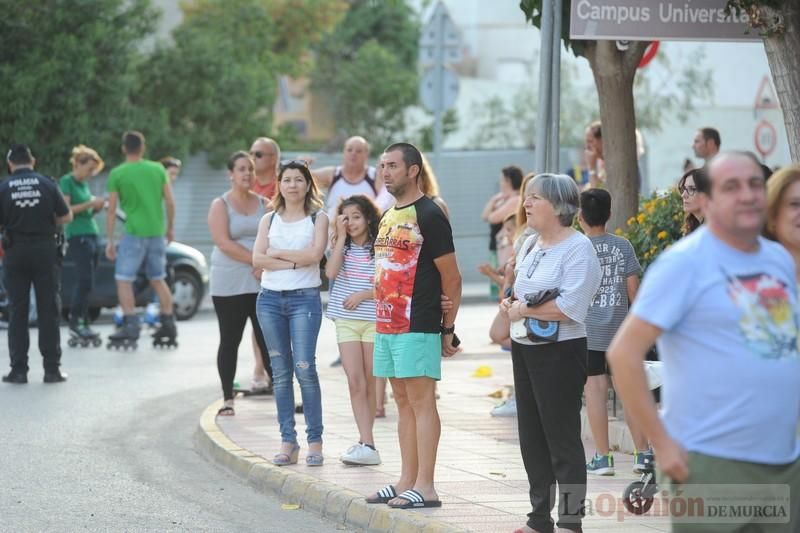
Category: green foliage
[660,92]
[533,14]
[656,226]
[366,69]
[213,87]
[423,138]
[67,71]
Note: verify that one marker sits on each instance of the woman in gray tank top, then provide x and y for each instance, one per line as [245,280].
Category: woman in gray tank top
[233,222]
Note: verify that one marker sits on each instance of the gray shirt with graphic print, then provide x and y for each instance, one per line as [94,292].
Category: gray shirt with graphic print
[610,304]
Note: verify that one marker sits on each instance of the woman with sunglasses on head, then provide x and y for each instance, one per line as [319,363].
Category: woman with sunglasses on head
[290,243]
[557,275]
[82,234]
[693,183]
[233,221]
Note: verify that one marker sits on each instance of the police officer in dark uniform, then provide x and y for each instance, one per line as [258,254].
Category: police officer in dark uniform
[31,208]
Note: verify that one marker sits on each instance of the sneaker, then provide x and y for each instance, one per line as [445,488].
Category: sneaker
[261,386]
[361,455]
[507,408]
[601,465]
[642,461]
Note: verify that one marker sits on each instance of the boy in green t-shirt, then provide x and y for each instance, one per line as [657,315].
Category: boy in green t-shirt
[81,235]
[141,188]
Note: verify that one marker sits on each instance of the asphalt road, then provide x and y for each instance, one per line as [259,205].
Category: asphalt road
[112,449]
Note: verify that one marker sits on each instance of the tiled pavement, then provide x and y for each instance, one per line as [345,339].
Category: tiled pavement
[479,477]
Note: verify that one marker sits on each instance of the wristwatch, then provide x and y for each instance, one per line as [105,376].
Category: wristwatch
[447,331]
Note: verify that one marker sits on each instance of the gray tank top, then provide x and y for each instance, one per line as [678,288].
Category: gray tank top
[230,277]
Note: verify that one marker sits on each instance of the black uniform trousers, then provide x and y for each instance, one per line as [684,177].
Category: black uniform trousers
[26,263]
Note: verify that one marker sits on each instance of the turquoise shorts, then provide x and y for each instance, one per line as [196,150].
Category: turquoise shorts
[408,355]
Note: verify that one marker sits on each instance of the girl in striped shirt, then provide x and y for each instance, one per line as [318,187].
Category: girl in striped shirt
[351,305]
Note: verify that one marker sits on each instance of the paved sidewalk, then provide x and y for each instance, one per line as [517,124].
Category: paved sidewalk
[480,477]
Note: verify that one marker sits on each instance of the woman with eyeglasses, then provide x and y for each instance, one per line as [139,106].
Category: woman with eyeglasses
[557,275]
[289,246]
[691,183]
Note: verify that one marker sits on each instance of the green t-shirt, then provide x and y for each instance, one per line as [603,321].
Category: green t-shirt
[78,193]
[140,185]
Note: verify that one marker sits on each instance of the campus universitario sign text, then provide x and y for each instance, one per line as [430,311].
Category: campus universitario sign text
[647,20]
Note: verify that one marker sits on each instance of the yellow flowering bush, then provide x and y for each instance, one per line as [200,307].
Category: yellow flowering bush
[655,227]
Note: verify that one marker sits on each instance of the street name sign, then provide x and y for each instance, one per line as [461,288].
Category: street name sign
[651,20]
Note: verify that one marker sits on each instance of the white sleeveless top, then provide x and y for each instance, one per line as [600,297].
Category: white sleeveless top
[291,236]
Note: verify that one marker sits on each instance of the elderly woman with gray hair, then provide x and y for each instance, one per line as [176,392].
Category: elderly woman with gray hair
[557,275]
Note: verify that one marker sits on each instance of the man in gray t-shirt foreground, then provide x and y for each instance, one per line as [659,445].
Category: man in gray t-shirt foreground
[722,303]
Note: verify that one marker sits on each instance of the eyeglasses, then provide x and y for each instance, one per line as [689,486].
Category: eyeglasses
[688,189]
[289,162]
[535,263]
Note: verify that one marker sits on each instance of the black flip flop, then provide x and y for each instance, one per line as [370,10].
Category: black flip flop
[415,501]
[384,495]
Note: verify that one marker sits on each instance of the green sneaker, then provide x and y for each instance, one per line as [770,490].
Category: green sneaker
[601,465]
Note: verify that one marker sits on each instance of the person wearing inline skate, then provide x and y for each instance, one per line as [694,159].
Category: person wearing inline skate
[140,187]
[81,236]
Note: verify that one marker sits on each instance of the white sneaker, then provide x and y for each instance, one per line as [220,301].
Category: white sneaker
[507,408]
[361,455]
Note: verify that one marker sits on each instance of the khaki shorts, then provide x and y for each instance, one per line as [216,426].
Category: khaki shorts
[348,330]
[707,474]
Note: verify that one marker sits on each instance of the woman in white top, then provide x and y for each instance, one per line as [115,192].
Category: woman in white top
[548,348]
[289,246]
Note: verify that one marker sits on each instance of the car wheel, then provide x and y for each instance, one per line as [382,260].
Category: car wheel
[186,291]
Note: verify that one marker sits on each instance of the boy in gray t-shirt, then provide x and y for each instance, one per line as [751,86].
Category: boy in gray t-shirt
[620,280]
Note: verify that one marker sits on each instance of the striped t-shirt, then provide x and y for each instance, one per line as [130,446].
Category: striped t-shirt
[570,266]
[357,274]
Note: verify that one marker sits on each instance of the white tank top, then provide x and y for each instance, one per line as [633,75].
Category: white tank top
[291,236]
[342,189]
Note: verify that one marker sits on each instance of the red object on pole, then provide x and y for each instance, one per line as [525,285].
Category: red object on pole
[649,54]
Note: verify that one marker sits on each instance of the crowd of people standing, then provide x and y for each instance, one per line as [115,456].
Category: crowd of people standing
[719,305]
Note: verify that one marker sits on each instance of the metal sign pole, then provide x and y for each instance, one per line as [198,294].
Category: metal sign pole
[439,90]
[555,89]
[545,62]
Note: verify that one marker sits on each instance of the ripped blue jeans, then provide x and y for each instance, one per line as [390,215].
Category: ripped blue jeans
[290,321]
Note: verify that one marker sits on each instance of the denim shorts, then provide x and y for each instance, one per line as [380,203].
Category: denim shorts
[135,251]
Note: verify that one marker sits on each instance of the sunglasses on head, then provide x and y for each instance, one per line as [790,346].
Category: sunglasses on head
[290,162]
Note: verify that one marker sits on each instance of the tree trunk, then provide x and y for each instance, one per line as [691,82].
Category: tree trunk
[784,64]
[614,72]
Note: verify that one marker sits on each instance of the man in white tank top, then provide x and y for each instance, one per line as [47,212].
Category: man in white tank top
[353,176]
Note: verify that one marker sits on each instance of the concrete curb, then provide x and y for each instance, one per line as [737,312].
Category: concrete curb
[619,436]
[331,501]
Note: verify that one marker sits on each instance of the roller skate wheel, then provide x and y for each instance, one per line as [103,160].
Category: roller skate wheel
[97,341]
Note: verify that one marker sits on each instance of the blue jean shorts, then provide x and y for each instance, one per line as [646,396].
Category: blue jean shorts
[133,252]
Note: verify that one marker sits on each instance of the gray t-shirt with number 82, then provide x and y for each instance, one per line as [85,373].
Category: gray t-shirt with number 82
[610,304]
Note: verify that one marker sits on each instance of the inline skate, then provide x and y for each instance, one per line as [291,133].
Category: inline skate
[165,336]
[81,335]
[127,335]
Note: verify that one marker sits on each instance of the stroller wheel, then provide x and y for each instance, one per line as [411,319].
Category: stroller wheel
[634,500]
